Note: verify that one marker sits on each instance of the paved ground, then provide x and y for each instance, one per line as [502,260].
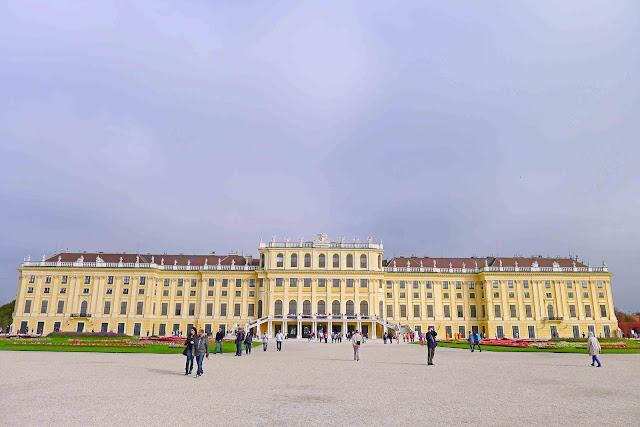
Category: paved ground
[320,384]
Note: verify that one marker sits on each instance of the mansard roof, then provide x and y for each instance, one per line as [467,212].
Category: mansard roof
[180,259]
[470,262]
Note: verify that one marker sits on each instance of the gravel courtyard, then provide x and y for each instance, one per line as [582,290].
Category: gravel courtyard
[320,384]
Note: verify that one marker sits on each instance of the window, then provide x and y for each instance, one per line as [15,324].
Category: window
[445,295]
[27,306]
[125,291]
[223,309]
[569,284]
[139,308]
[165,293]
[294,260]
[336,261]
[251,310]
[86,291]
[322,283]
[572,310]
[143,280]
[389,310]
[600,294]
[293,307]
[192,309]
[140,291]
[110,280]
[403,294]
[279,260]
[279,281]
[599,284]
[123,307]
[349,261]
[585,295]
[293,282]
[46,290]
[179,293]
[547,284]
[61,307]
[472,295]
[525,284]
[459,295]
[180,282]
[584,284]
[548,295]
[380,284]
[603,310]
[495,284]
[445,285]
[252,293]
[607,331]
[527,311]
[261,283]
[389,294]
[460,310]
[570,294]
[472,286]
[224,293]
[403,284]
[416,285]
[87,280]
[192,293]
[166,282]
[178,311]
[252,283]
[194,283]
[484,311]
[364,283]
[428,284]
[458,285]
[336,283]
[447,311]
[238,283]
[403,310]
[307,260]
[497,310]
[350,308]
[322,261]
[496,294]
[510,284]
[307,283]
[47,279]
[531,330]
[389,284]
[474,312]
[512,294]
[277,307]
[416,310]
[512,311]
[65,279]
[44,305]
[527,295]
[30,290]
[164,309]
[212,283]
[238,293]
[363,261]
[32,279]
[429,310]
[416,294]
[126,280]
[322,307]
[499,332]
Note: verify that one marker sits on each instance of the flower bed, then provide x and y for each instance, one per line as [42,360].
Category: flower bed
[543,344]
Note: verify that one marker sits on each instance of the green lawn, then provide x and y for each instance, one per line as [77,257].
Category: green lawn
[155,348]
[634,348]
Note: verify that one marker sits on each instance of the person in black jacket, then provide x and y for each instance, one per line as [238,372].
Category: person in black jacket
[431,344]
[239,341]
[188,351]
[219,338]
[248,342]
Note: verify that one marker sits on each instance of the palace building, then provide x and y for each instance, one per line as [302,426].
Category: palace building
[301,287]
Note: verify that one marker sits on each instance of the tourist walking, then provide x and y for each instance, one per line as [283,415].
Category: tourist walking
[472,340]
[265,341]
[356,338]
[201,349]
[219,338]
[398,339]
[384,338]
[279,338]
[594,349]
[431,344]
[421,339]
[248,342]
[477,341]
[188,351]
[239,341]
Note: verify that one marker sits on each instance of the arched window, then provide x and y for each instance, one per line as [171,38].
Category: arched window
[349,261]
[83,308]
[279,260]
[364,308]
[322,261]
[306,307]
[259,309]
[550,310]
[277,308]
[262,261]
[363,261]
[294,260]
[322,307]
[350,308]
[293,307]
[335,307]
[336,261]
[307,260]
[381,310]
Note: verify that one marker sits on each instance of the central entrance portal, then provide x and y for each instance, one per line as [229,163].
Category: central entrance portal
[292,330]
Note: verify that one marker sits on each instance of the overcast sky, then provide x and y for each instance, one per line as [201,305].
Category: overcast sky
[444,129]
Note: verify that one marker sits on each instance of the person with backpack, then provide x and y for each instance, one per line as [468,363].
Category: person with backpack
[477,341]
[357,340]
[431,344]
[248,342]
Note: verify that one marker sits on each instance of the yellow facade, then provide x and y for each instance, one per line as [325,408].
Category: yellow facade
[314,286]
